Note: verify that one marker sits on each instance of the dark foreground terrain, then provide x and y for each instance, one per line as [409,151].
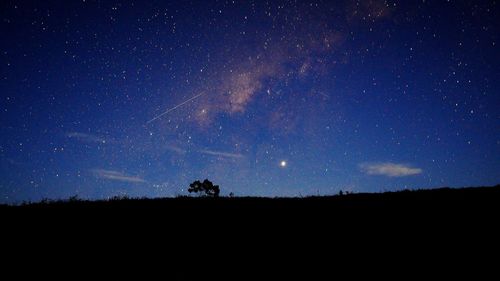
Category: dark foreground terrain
[415,202]
[201,218]
[421,229]
[442,206]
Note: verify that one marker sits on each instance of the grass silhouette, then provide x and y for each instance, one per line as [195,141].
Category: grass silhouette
[330,232]
[412,201]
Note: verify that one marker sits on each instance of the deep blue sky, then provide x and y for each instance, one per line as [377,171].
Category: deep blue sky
[277,98]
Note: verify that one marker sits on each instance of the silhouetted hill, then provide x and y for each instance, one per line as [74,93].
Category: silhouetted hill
[430,204]
[200,237]
[407,198]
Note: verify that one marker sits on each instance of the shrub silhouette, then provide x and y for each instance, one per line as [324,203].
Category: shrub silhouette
[206,186]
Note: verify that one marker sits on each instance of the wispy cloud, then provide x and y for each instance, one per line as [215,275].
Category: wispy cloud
[222,154]
[116,176]
[175,149]
[389,169]
[87,137]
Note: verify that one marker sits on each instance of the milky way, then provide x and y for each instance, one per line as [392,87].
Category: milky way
[277,98]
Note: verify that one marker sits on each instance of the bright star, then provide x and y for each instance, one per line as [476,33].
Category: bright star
[283,164]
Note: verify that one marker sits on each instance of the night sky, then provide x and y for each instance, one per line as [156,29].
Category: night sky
[264,98]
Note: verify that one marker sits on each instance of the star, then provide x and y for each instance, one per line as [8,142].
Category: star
[242,91]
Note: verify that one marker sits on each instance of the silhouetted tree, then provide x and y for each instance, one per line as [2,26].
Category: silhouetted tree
[206,186]
[195,187]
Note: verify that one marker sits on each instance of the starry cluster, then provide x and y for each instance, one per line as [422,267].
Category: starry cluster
[267,98]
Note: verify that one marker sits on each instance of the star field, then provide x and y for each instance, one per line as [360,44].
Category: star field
[264,98]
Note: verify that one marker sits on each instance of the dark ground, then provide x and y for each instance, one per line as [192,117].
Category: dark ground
[420,204]
[424,228]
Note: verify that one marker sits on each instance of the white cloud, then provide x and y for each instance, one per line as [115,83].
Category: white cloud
[222,154]
[389,169]
[87,137]
[117,176]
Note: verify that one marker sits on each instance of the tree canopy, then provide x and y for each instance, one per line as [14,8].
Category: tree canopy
[206,186]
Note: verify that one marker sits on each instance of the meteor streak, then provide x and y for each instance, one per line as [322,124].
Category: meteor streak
[174,108]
